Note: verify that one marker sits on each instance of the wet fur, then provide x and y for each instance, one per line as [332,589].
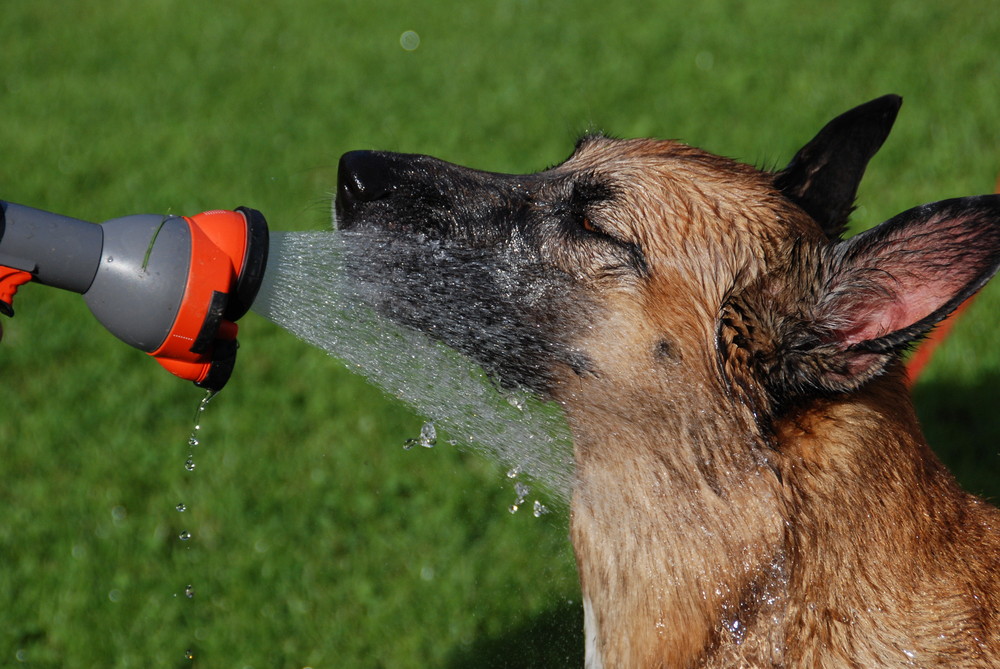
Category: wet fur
[752,486]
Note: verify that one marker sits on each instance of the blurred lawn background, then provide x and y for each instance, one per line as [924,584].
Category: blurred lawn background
[317,540]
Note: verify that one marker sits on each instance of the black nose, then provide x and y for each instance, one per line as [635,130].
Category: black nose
[363,176]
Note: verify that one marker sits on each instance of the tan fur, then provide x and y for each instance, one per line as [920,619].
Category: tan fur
[832,538]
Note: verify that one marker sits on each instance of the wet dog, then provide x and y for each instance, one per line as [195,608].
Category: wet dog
[752,488]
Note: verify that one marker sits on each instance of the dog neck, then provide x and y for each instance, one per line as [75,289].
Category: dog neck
[700,542]
[867,501]
[677,539]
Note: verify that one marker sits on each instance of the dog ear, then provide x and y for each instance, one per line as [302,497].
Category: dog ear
[885,288]
[823,176]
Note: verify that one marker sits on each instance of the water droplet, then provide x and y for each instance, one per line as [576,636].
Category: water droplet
[428,435]
[409,40]
[737,630]
[513,473]
[184,536]
[189,464]
[521,490]
[193,439]
[189,654]
[427,438]
[516,401]
[539,509]
[189,591]
[181,507]
[209,396]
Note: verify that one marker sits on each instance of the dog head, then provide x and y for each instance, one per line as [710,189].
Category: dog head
[635,259]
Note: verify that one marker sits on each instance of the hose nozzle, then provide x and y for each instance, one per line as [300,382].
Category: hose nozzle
[171,286]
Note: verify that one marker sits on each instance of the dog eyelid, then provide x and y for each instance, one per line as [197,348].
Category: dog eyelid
[587,221]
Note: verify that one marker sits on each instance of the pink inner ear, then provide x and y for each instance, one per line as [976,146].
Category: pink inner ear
[908,278]
[889,285]
[909,303]
[877,318]
[868,323]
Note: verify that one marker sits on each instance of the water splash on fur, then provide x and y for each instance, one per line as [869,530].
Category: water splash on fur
[307,292]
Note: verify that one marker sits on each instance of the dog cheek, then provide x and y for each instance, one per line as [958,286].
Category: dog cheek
[666,352]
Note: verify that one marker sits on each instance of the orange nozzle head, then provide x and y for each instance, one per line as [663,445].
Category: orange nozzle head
[227,263]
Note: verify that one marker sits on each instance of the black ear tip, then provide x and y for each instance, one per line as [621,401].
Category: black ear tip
[886,106]
[892,99]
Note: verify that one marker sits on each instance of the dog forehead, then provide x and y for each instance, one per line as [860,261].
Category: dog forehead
[599,152]
[676,173]
[670,191]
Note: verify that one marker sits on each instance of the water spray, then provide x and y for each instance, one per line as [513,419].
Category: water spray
[172,286]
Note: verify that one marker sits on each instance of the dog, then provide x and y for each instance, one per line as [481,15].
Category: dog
[752,488]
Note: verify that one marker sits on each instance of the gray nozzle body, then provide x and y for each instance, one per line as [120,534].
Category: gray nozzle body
[57,250]
[132,271]
[141,278]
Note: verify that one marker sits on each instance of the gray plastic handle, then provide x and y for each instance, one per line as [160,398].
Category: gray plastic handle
[57,250]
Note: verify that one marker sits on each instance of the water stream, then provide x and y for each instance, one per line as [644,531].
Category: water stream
[182,507]
[306,292]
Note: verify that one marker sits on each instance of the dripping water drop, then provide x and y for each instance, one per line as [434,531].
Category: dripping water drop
[522,490]
[427,438]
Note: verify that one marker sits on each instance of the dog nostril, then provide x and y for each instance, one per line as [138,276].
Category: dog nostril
[363,176]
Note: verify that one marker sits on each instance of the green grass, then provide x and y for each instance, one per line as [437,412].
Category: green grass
[317,540]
